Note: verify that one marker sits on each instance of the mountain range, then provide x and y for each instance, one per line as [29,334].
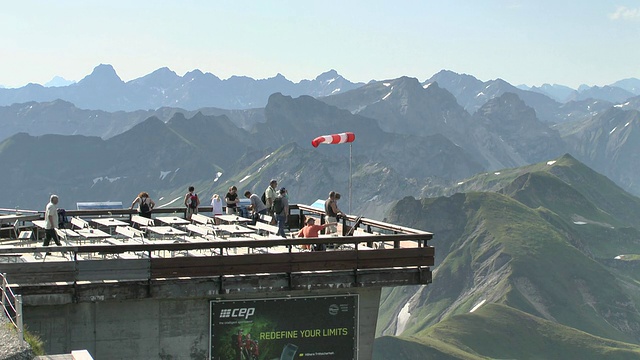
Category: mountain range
[536,246]
[420,131]
[104,90]
[213,154]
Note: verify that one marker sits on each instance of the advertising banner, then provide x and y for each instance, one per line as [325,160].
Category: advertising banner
[316,328]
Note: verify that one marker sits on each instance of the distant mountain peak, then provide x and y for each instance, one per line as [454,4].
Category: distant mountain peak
[194,73]
[328,75]
[162,77]
[104,70]
[59,81]
[165,71]
[101,74]
[451,75]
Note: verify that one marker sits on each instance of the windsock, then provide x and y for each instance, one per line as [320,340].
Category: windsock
[341,138]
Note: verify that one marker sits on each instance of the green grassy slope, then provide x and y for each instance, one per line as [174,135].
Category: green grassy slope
[499,331]
[543,244]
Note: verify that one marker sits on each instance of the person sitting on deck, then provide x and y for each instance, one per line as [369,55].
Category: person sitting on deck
[311,230]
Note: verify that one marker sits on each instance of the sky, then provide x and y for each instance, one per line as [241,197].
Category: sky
[568,42]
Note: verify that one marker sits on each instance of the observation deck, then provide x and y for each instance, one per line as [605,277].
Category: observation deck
[188,272]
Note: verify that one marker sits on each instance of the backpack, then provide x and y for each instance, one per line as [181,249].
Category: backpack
[62,218]
[144,207]
[264,197]
[194,201]
[277,206]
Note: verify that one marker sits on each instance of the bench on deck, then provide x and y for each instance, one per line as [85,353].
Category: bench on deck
[263,227]
[265,218]
[67,234]
[127,255]
[130,233]
[203,219]
[201,230]
[25,236]
[79,223]
[142,221]
[19,229]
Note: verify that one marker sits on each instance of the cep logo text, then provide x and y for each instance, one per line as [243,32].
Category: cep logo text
[237,313]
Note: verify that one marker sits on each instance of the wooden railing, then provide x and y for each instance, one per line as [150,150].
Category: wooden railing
[223,259]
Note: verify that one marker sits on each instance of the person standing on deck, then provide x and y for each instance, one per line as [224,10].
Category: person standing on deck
[146,204]
[191,201]
[51,222]
[270,194]
[281,210]
[216,207]
[331,210]
[232,200]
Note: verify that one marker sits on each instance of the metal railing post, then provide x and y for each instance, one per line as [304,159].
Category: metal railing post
[4,290]
[18,305]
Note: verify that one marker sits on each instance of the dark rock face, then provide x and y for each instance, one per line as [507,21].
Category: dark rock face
[610,143]
[516,124]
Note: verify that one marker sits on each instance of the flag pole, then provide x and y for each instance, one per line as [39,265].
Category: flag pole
[350,174]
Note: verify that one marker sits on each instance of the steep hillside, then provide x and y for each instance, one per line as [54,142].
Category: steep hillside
[149,157]
[513,135]
[610,144]
[501,332]
[565,176]
[542,243]
[302,119]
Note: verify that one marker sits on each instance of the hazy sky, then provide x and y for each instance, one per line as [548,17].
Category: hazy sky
[532,42]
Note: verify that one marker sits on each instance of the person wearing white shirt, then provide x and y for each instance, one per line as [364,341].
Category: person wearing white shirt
[216,206]
[51,221]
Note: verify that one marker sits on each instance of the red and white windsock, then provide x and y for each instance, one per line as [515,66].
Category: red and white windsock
[341,138]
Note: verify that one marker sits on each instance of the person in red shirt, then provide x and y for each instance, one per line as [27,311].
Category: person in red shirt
[311,230]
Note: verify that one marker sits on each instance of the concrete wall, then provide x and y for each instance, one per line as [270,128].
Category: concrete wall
[166,328]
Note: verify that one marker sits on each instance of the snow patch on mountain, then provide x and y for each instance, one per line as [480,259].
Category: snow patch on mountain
[478,305]
[403,318]
[106,178]
[163,174]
